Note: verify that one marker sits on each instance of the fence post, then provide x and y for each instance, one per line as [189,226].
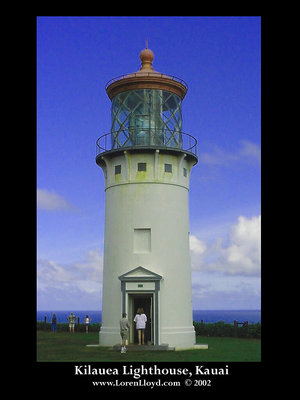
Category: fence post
[245,326]
[78,320]
[235,328]
[202,327]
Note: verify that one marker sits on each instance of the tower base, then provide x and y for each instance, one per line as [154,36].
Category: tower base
[182,338]
[109,336]
[178,338]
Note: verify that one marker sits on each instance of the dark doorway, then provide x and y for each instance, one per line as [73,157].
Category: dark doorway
[144,301]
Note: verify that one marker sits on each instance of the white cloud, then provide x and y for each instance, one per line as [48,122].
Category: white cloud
[217,157]
[197,246]
[240,256]
[222,291]
[247,151]
[225,272]
[71,285]
[227,297]
[91,268]
[50,273]
[243,255]
[49,200]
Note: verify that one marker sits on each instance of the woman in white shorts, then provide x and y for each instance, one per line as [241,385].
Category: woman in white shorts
[140,323]
[87,321]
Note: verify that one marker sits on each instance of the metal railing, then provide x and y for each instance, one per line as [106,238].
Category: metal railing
[146,138]
[150,74]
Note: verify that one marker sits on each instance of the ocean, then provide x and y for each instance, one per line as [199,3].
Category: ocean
[228,316]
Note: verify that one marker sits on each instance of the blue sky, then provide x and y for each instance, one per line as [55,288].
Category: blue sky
[220,59]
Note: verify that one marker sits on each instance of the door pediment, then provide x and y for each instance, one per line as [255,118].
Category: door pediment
[140,274]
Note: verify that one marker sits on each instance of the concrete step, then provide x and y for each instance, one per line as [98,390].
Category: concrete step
[144,347]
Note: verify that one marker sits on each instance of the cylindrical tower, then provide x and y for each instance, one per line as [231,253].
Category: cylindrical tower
[147,160]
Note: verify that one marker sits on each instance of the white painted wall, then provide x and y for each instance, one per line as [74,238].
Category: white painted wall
[158,201]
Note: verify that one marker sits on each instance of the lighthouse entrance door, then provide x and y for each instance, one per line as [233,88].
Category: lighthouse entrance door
[144,301]
[140,289]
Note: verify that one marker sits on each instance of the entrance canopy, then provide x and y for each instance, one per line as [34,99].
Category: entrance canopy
[139,279]
[140,274]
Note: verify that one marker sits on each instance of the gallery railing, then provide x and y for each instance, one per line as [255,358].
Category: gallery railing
[146,138]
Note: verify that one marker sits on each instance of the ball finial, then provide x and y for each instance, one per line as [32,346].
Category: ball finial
[146,57]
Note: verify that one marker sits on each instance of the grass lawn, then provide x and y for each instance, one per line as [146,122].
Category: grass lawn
[67,347]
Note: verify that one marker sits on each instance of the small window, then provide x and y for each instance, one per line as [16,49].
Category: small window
[142,240]
[117,169]
[184,172]
[141,166]
[168,167]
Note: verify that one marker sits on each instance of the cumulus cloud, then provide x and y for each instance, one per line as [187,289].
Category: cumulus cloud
[241,255]
[49,200]
[197,246]
[50,272]
[226,296]
[247,151]
[234,263]
[65,285]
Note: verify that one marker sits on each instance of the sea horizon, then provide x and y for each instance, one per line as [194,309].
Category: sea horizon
[213,315]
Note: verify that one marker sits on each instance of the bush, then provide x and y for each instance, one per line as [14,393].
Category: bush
[222,329]
[254,330]
[61,327]
[215,329]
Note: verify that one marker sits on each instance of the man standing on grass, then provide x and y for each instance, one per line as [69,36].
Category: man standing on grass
[53,321]
[124,326]
[71,319]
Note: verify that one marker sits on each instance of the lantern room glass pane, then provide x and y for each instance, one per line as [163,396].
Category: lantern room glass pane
[146,117]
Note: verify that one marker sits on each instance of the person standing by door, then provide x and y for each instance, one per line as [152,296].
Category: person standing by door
[124,326]
[140,323]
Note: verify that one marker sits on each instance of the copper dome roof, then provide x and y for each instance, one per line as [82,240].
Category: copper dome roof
[146,78]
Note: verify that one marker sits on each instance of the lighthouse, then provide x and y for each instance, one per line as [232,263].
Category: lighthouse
[147,160]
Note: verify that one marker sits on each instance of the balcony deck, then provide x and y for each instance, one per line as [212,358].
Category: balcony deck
[145,140]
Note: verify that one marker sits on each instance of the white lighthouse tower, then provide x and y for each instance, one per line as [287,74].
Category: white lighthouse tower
[147,161]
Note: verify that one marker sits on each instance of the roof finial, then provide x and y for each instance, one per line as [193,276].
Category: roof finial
[146,57]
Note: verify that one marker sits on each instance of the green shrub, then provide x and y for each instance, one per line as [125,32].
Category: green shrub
[64,327]
[254,331]
[214,329]
[222,329]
